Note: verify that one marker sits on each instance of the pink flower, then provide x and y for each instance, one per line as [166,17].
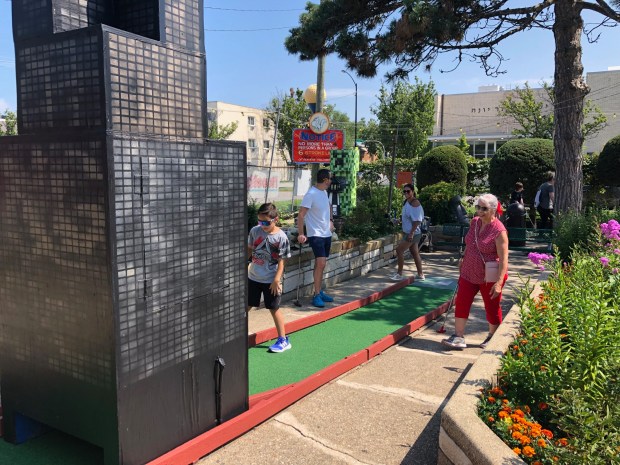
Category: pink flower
[611,230]
[604,261]
[614,270]
[537,258]
[617,251]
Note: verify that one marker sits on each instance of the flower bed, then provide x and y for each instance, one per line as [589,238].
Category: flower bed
[557,398]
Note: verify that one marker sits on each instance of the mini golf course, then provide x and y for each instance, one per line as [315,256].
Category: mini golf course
[319,353]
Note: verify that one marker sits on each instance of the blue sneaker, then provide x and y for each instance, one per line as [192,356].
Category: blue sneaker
[326,297]
[317,301]
[281,345]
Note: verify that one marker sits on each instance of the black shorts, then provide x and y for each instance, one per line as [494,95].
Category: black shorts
[255,290]
[320,245]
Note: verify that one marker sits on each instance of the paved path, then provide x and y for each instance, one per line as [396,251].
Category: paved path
[383,412]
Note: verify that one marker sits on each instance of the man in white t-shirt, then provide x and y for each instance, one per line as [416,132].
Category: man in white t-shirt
[316,212]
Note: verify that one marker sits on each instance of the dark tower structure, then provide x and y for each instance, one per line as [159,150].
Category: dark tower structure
[122,232]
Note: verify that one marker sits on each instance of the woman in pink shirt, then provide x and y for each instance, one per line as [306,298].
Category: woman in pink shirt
[486,241]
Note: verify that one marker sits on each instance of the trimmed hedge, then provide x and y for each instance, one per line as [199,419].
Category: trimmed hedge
[445,163]
[524,160]
[608,165]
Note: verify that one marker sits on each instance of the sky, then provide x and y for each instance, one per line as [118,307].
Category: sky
[247,63]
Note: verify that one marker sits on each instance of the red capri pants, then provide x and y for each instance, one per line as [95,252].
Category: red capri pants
[465,297]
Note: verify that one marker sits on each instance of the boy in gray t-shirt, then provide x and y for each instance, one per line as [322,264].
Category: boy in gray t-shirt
[268,246]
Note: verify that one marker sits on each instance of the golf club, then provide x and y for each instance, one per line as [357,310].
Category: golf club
[296,302]
[442,329]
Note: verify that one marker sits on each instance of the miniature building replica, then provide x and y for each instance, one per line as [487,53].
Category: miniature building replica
[344,165]
[122,232]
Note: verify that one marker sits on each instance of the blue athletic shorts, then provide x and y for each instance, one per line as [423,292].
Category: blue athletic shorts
[320,245]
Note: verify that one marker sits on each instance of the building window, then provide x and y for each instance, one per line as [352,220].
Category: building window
[266,123]
[266,144]
[480,149]
[252,144]
[251,121]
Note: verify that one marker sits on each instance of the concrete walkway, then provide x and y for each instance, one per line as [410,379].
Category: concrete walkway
[386,411]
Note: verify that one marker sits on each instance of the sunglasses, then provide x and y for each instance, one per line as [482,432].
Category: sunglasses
[407,191]
[484,209]
[266,223]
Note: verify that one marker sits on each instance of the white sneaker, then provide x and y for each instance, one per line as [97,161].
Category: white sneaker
[397,277]
[483,344]
[455,342]
[421,278]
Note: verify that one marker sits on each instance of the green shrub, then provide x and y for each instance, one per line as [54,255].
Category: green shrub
[252,214]
[608,165]
[576,230]
[434,200]
[477,175]
[445,163]
[524,160]
[369,219]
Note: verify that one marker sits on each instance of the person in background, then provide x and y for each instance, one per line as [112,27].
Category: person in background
[316,213]
[486,241]
[411,217]
[268,246]
[545,206]
[517,194]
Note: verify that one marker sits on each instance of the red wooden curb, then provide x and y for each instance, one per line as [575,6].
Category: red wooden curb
[265,405]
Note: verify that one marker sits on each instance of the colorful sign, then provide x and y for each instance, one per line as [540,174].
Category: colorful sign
[309,147]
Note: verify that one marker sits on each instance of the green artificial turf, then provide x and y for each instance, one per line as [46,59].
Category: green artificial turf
[52,448]
[319,346]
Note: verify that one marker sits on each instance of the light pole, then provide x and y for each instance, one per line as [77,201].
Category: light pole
[355,83]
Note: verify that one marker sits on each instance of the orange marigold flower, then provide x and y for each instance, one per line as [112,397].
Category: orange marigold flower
[529,451]
[543,368]
[506,408]
[555,458]
[541,443]
[491,399]
[520,354]
[537,462]
[524,440]
[543,405]
[523,341]
[502,414]
[515,347]
[516,450]
[516,435]
[505,401]
[527,409]
[563,442]
[519,413]
[547,433]
[491,419]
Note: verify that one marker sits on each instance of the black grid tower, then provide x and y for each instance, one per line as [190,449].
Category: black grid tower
[122,232]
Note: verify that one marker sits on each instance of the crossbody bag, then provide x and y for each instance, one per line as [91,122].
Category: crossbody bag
[491,269]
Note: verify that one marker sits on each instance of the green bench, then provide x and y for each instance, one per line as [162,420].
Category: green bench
[453,230]
[530,239]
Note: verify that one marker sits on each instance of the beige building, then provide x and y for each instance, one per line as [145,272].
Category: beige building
[256,129]
[476,114]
